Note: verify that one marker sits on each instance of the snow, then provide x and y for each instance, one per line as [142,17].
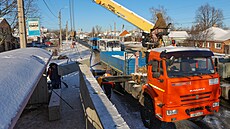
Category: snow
[174,48]
[178,34]
[78,53]
[20,71]
[219,34]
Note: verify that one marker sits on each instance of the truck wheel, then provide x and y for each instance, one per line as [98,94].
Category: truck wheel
[229,96]
[148,115]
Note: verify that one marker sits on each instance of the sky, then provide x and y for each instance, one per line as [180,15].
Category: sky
[88,14]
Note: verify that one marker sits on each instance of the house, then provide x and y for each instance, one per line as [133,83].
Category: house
[178,36]
[6,38]
[217,40]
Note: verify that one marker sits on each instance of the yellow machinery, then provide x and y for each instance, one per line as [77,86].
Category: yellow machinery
[126,14]
[134,19]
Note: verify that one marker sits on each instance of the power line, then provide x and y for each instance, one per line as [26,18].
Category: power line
[49,9]
[70,10]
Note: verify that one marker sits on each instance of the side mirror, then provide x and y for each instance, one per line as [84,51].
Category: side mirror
[156,75]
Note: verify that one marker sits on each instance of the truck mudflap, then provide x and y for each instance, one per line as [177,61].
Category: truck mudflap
[172,114]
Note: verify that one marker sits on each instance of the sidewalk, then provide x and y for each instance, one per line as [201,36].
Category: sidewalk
[70,118]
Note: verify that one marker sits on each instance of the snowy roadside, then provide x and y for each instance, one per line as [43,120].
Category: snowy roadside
[72,116]
[78,53]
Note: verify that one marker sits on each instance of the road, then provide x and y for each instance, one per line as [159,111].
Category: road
[128,107]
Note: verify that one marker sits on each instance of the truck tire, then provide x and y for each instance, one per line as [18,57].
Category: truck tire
[148,115]
[229,96]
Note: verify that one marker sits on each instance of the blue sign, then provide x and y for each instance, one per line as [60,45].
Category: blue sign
[33,27]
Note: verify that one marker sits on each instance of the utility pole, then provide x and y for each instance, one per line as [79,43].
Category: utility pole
[66,31]
[22,24]
[115,30]
[60,37]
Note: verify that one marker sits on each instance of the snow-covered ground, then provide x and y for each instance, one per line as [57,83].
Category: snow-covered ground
[78,53]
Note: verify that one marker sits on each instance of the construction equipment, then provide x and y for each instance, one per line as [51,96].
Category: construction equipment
[179,82]
[134,19]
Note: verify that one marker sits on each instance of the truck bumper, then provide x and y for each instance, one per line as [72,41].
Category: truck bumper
[172,114]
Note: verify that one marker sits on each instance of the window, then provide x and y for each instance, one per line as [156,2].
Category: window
[157,67]
[190,66]
[208,45]
[217,45]
[203,45]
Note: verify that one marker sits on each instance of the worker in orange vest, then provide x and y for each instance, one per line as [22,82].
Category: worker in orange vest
[106,85]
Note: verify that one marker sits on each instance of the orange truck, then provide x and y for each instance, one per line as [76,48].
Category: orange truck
[180,83]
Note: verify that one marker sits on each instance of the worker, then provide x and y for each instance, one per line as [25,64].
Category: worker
[54,76]
[107,85]
[159,26]
[173,43]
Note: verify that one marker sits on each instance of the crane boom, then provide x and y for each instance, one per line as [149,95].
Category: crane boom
[126,14]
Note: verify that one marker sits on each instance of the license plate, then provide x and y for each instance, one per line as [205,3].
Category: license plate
[196,114]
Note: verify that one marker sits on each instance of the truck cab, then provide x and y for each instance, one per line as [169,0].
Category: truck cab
[181,83]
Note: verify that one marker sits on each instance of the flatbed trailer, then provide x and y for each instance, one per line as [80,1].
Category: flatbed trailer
[122,62]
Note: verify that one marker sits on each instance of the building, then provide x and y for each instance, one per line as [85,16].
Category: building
[178,36]
[218,40]
[7,42]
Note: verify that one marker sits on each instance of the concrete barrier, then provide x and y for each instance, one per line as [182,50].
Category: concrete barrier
[99,111]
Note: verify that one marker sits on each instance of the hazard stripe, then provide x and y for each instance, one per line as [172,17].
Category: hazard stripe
[156,87]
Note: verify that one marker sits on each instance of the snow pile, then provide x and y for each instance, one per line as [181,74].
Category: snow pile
[20,72]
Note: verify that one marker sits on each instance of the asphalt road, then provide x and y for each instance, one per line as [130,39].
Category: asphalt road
[128,107]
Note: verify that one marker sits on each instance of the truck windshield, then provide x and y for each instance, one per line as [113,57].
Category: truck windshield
[184,67]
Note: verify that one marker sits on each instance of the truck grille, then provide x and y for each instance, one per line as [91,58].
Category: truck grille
[195,98]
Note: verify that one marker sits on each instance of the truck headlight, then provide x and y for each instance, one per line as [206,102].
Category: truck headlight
[215,104]
[171,112]
[213,81]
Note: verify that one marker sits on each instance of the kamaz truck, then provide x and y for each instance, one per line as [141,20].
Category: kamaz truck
[179,82]
[171,83]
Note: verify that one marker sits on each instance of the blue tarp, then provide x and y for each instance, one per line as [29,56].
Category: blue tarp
[94,39]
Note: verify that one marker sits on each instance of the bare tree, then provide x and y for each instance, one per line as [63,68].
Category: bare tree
[98,30]
[92,34]
[208,16]
[8,10]
[161,10]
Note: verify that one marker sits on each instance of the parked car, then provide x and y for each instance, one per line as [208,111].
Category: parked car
[48,43]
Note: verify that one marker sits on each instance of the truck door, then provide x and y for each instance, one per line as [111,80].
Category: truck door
[156,78]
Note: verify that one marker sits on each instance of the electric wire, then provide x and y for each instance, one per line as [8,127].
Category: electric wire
[49,9]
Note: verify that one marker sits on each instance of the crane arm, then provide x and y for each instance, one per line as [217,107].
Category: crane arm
[126,14]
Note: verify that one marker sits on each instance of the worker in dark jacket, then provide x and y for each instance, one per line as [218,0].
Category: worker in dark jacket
[107,85]
[54,76]
[159,26]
